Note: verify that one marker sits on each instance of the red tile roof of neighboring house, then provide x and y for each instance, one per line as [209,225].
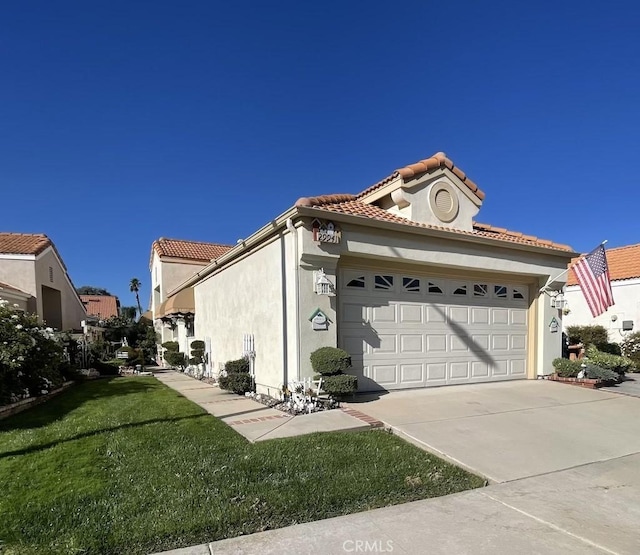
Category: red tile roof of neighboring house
[189,250]
[101,306]
[623,262]
[23,243]
[438,160]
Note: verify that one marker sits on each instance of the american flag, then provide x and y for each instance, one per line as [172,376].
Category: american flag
[593,276]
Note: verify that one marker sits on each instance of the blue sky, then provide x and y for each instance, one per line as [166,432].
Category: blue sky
[122,122]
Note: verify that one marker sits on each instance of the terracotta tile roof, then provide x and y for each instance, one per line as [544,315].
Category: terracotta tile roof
[624,263]
[189,250]
[23,243]
[438,160]
[359,208]
[101,306]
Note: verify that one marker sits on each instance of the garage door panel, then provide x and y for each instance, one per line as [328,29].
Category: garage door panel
[411,314]
[436,343]
[400,338]
[459,371]
[412,374]
[411,343]
[387,344]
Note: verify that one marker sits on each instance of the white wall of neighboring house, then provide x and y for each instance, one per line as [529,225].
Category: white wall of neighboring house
[626,296]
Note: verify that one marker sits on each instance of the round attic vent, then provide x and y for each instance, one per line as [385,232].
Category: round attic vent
[444,201]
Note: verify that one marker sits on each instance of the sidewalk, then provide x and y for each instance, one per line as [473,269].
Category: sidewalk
[256,421]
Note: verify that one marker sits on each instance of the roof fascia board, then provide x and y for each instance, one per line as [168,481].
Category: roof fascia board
[393,226]
[383,191]
[8,256]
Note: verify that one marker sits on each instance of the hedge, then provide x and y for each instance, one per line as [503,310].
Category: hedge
[329,361]
[239,366]
[236,382]
[340,385]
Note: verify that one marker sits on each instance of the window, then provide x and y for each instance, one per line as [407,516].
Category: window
[50,274]
[500,291]
[383,282]
[357,283]
[461,290]
[480,289]
[411,285]
[518,293]
[434,289]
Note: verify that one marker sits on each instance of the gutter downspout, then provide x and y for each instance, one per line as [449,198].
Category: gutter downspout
[296,281]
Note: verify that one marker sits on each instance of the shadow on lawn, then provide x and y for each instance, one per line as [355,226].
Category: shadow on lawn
[58,407]
[43,446]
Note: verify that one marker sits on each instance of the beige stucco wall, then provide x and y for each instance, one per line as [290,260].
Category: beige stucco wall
[19,272]
[73,311]
[249,297]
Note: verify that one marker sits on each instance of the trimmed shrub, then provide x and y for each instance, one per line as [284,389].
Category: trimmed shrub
[236,382]
[330,361]
[567,368]
[340,385]
[587,335]
[595,372]
[239,366]
[611,348]
[197,352]
[631,349]
[107,368]
[171,346]
[177,360]
[615,363]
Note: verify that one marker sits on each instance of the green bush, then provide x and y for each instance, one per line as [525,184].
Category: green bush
[615,363]
[587,335]
[567,368]
[611,348]
[106,368]
[239,366]
[236,382]
[329,361]
[340,385]
[177,360]
[595,372]
[171,346]
[631,349]
[197,352]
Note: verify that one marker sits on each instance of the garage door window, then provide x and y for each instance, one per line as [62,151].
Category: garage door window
[518,293]
[480,289]
[357,283]
[383,282]
[434,289]
[500,291]
[460,291]
[411,285]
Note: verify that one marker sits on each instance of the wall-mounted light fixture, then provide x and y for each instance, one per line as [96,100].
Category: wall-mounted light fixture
[321,283]
[558,301]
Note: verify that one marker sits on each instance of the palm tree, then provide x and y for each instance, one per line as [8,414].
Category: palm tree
[134,287]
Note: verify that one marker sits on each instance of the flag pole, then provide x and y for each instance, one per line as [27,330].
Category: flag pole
[544,287]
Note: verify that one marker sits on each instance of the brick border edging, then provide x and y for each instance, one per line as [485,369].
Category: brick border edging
[24,404]
[589,383]
[373,422]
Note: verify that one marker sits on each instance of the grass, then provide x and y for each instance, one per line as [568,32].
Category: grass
[127,465]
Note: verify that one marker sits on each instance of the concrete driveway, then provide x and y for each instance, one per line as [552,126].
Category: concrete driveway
[512,430]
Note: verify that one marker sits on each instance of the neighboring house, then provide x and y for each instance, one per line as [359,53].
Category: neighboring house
[33,274]
[173,261]
[101,307]
[624,270]
[399,275]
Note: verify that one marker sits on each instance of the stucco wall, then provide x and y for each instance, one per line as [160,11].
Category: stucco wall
[73,311]
[626,294]
[248,297]
[19,273]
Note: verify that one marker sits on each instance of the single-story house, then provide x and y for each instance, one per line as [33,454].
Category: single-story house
[33,275]
[624,316]
[171,262]
[399,275]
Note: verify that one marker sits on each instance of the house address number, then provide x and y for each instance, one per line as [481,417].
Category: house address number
[326,232]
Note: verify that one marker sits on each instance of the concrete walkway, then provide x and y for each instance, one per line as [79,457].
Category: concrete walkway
[565,463]
[256,421]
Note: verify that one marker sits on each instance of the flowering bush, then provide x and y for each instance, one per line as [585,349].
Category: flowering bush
[31,358]
[631,348]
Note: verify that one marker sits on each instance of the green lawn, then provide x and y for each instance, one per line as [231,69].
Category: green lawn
[127,465]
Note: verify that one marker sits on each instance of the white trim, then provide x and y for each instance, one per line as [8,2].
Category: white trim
[18,256]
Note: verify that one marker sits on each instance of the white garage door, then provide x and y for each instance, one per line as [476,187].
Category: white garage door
[405,330]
